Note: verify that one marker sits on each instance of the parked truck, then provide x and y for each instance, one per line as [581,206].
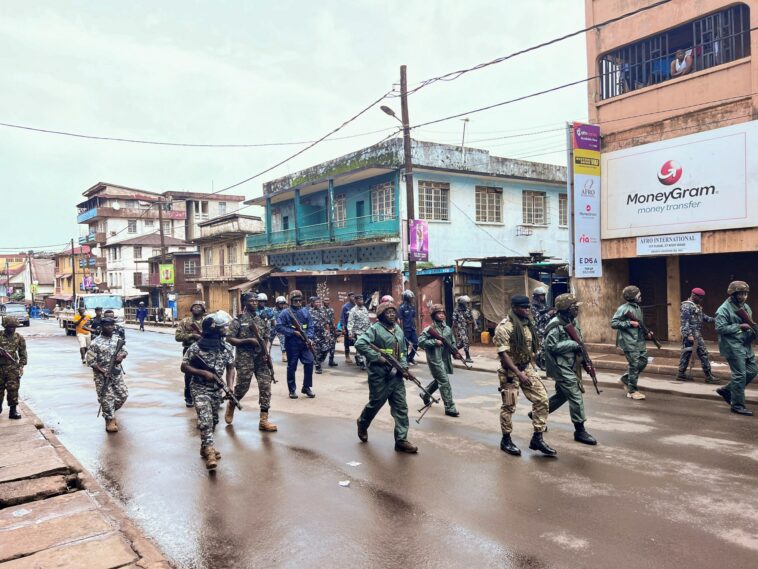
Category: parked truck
[90,302]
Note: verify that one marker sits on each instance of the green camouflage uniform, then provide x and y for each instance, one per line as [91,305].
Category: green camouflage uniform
[536,392]
[208,395]
[321,333]
[440,362]
[736,345]
[100,352]
[632,341]
[384,384]
[251,360]
[10,371]
[561,363]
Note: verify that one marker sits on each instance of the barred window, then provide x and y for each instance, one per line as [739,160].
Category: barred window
[340,210]
[563,212]
[489,204]
[383,202]
[533,207]
[190,267]
[433,198]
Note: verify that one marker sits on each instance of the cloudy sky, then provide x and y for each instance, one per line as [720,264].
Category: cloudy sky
[244,72]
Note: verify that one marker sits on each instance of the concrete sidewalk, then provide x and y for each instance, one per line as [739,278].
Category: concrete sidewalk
[54,514]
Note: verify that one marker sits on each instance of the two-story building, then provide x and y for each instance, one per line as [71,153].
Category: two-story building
[675,103]
[339,227]
[179,285]
[79,276]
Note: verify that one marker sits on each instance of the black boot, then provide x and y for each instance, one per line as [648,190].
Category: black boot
[726,394]
[318,368]
[538,443]
[13,414]
[582,436]
[684,376]
[506,445]
[425,398]
[332,363]
[739,409]
[710,379]
[468,357]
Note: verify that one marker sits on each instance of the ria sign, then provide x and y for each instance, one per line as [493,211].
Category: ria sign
[670,173]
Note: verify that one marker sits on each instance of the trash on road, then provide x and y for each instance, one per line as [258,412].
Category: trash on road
[344,483]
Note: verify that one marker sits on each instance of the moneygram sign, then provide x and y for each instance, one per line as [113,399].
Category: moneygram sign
[698,182]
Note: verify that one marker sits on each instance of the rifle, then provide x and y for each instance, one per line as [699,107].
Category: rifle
[7,355]
[299,329]
[393,362]
[109,373]
[587,364]
[264,347]
[645,329]
[221,383]
[742,313]
[448,346]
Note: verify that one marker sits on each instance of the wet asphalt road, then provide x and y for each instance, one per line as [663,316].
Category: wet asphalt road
[672,483]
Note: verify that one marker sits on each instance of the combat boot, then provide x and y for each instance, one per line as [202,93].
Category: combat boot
[332,363]
[111,426]
[726,394]
[229,415]
[425,398]
[709,378]
[507,445]
[452,412]
[684,376]
[348,359]
[318,369]
[13,413]
[362,432]
[211,460]
[538,443]
[202,452]
[265,425]
[742,410]
[582,436]
[284,357]
[405,446]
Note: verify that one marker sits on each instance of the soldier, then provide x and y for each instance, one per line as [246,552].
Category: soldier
[329,317]
[206,392]
[516,341]
[462,320]
[384,384]
[346,308]
[320,331]
[250,358]
[118,329]
[562,361]
[736,338]
[692,318]
[541,315]
[188,332]
[631,339]
[357,323]
[111,389]
[406,314]
[297,346]
[12,363]
[83,336]
[439,360]
[281,305]
[95,323]
[265,315]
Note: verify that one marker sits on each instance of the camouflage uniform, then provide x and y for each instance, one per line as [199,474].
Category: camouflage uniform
[251,360]
[208,395]
[187,327]
[357,323]
[10,371]
[541,317]
[321,333]
[462,320]
[693,317]
[266,321]
[332,333]
[100,353]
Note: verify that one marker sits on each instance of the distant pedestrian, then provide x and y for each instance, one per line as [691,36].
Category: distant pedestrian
[631,339]
[296,343]
[13,359]
[346,308]
[439,359]
[109,382]
[188,332]
[406,314]
[692,319]
[358,322]
[96,322]
[83,335]
[141,315]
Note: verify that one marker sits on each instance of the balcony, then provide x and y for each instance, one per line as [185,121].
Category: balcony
[101,263]
[227,272]
[89,238]
[99,213]
[346,231]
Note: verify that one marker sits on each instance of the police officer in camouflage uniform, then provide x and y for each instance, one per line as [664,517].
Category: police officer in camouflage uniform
[206,392]
[111,391]
[562,361]
[358,322]
[516,342]
[320,331]
[384,384]
[265,315]
[462,321]
[736,339]
[541,315]
[251,358]
[188,332]
[692,318]
[12,362]
[332,334]
[631,340]
[281,306]
[439,360]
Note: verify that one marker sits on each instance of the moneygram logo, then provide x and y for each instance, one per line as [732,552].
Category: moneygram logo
[670,173]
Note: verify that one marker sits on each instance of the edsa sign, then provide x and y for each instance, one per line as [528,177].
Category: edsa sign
[698,182]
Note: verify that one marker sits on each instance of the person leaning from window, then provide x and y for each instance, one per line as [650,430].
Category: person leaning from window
[682,63]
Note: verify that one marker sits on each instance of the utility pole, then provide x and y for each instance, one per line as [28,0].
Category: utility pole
[409,201]
[73,274]
[7,279]
[31,275]
[164,302]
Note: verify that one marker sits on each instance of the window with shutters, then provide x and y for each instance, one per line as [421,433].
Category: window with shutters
[340,210]
[563,210]
[383,202]
[131,226]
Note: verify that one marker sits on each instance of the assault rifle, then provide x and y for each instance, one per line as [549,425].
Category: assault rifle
[447,345]
[742,313]
[109,372]
[7,355]
[587,364]
[264,348]
[220,382]
[393,362]
[645,330]
[299,329]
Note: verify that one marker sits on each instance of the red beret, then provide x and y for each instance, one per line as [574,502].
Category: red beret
[698,291]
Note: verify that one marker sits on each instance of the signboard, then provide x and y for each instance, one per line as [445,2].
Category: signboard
[680,244]
[585,200]
[88,282]
[419,240]
[167,274]
[698,182]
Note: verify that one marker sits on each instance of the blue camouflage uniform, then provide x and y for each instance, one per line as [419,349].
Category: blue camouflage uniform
[294,346]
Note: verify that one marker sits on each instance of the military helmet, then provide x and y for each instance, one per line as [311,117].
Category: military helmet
[437,308]
[463,298]
[248,296]
[630,292]
[10,322]
[262,296]
[199,303]
[540,290]
[295,294]
[216,321]
[737,286]
[383,307]
[280,299]
[387,298]
[407,294]
[566,301]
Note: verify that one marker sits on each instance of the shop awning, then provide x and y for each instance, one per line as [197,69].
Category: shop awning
[255,276]
[136,296]
[64,276]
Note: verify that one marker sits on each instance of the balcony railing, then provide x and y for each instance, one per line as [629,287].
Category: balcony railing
[227,271]
[133,213]
[345,231]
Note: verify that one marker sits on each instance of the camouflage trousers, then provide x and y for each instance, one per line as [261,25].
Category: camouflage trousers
[536,393]
[245,370]
[324,347]
[115,394]
[702,353]
[208,398]
[10,381]
[463,340]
